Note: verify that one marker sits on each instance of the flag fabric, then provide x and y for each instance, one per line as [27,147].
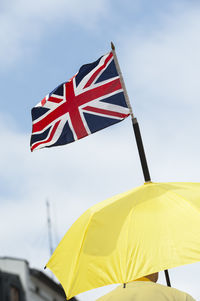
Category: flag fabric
[90,101]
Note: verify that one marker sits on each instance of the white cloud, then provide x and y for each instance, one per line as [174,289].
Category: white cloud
[163,62]
[49,10]
[22,23]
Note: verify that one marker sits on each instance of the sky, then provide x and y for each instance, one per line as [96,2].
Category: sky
[44,43]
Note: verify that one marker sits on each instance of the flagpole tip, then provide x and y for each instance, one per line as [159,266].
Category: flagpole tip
[112,46]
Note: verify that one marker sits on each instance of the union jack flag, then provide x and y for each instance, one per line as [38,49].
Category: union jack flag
[90,101]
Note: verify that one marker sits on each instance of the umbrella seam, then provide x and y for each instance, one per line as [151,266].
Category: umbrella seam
[185,201]
[181,197]
[78,256]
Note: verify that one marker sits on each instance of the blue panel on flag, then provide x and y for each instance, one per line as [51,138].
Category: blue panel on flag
[65,137]
[37,112]
[96,122]
[109,72]
[117,99]
[58,90]
[85,69]
[38,137]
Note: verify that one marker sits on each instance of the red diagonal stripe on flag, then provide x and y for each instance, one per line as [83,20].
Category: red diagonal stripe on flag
[55,99]
[50,137]
[99,91]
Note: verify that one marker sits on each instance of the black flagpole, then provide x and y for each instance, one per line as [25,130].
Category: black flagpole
[141,152]
[138,137]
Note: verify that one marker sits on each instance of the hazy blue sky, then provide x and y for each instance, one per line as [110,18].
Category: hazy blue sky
[43,43]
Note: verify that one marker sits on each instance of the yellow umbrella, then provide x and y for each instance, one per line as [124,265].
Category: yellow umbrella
[147,229]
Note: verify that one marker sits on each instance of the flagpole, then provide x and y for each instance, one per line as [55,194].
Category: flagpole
[138,136]
[135,124]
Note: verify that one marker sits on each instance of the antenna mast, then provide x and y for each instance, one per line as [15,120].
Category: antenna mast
[49,228]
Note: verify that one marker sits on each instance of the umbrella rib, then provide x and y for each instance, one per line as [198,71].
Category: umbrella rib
[181,197]
[80,250]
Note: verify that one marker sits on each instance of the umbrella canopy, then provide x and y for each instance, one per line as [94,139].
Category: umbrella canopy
[145,230]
